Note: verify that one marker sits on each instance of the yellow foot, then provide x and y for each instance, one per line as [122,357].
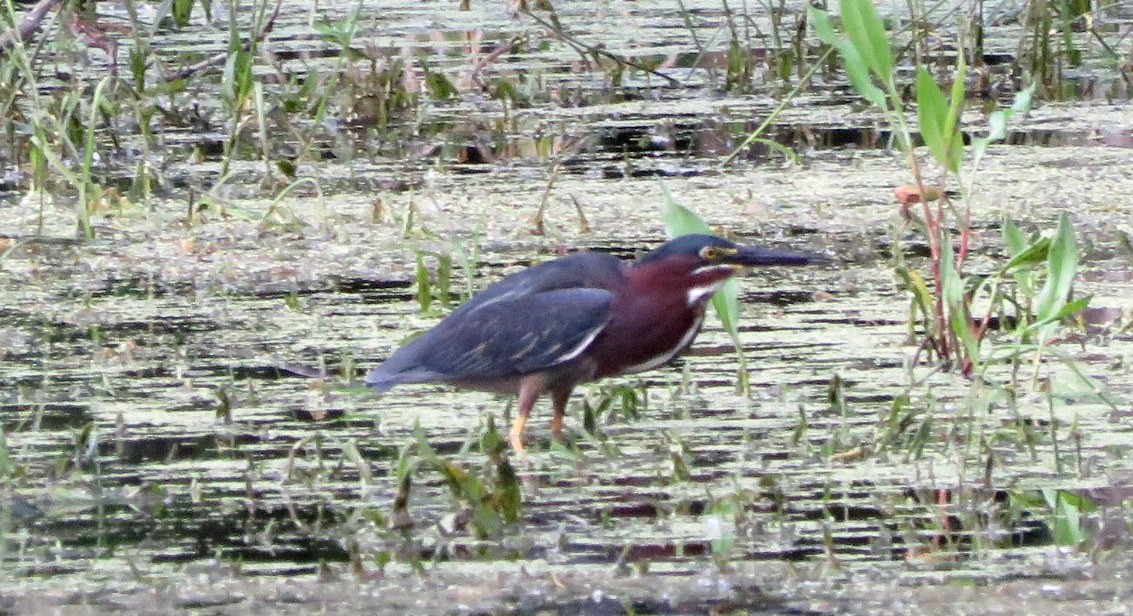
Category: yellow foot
[515,439]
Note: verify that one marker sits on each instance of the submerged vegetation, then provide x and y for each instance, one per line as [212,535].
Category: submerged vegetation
[203,201]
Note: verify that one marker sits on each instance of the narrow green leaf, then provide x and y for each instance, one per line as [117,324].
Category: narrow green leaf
[421,277]
[509,496]
[952,132]
[1031,255]
[959,321]
[953,135]
[956,100]
[1072,308]
[1067,310]
[997,121]
[916,284]
[6,466]
[955,152]
[822,26]
[878,38]
[859,77]
[726,303]
[855,31]
[1014,238]
[856,69]
[1022,100]
[996,126]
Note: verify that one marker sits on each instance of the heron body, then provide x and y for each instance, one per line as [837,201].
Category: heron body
[575,319]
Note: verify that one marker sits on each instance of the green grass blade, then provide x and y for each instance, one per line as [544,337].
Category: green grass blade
[1022,100]
[959,320]
[1062,267]
[867,33]
[823,28]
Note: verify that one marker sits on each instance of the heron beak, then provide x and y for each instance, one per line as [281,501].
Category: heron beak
[759,256]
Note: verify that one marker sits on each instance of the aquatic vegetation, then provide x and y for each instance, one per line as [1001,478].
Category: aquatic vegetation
[255,208]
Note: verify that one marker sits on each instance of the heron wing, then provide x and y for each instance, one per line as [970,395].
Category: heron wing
[510,335]
[580,270]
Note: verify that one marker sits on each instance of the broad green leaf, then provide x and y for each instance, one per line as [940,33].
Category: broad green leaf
[822,26]
[1067,509]
[938,119]
[679,220]
[952,132]
[932,114]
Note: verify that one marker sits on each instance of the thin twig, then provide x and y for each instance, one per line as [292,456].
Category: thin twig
[559,32]
[539,227]
[786,100]
[474,76]
[221,58]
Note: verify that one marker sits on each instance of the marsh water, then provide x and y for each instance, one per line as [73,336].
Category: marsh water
[185,430]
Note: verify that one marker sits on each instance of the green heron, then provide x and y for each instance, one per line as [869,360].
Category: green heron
[575,319]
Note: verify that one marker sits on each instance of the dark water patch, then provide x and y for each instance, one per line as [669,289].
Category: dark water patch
[50,416]
[1115,137]
[781,298]
[168,449]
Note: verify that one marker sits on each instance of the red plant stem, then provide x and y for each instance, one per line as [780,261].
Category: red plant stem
[932,229]
[965,235]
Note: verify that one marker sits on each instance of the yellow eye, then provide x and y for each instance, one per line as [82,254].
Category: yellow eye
[710,253]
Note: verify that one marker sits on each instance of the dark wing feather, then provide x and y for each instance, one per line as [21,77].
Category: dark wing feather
[508,335]
[581,270]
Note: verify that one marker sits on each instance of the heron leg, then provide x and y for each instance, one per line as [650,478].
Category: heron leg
[529,390]
[559,399]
